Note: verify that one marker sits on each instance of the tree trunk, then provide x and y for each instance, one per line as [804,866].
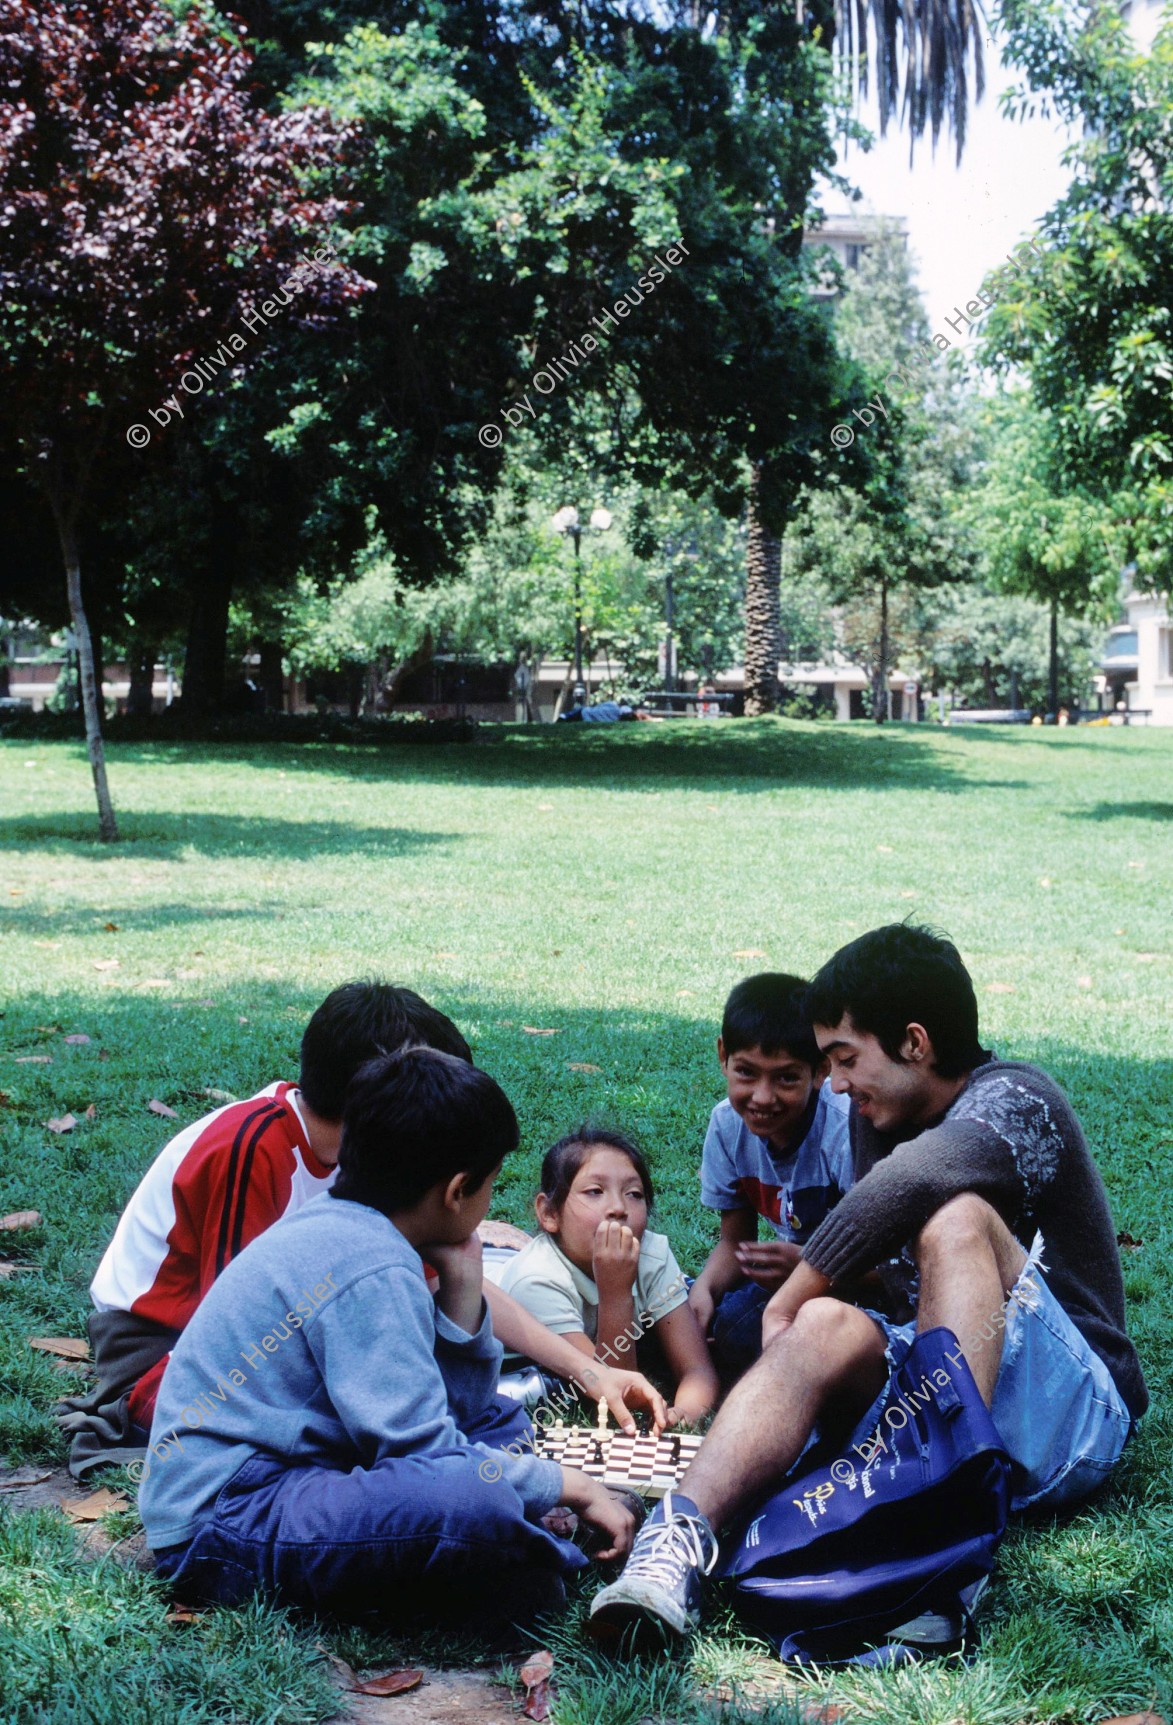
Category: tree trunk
[140,698]
[763,572]
[90,698]
[271,676]
[880,691]
[1053,676]
[414,661]
[207,645]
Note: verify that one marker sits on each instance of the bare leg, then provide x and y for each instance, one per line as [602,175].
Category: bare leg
[831,1356]
[969,1261]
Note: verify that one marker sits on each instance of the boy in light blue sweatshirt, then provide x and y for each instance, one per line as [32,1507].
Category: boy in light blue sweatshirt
[328,1433]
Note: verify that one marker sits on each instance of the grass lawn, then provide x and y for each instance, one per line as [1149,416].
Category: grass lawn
[606,889]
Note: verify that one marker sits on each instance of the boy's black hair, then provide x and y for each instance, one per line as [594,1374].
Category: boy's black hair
[900,975]
[359,1021]
[414,1119]
[769,1011]
[563,1160]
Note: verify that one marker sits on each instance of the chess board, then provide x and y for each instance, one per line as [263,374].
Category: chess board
[648,1465]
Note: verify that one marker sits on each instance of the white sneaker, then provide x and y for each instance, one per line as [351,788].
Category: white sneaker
[661,1581]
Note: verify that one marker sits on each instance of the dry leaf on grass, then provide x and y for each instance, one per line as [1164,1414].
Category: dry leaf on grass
[7,1270]
[1130,1244]
[1134,1719]
[184,1614]
[34,1060]
[67,1347]
[581,1066]
[47,1029]
[106,963]
[999,988]
[388,1683]
[218,1095]
[20,1219]
[5,1098]
[95,1507]
[77,1041]
[110,927]
[535,1674]
[157,1107]
[91,1112]
[749,952]
[534,1030]
[23,1476]
[61,1123]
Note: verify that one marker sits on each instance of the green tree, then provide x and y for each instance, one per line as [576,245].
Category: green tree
[1059,547]
[1089,323]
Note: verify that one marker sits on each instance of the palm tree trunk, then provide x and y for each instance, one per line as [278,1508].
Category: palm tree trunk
[763,573]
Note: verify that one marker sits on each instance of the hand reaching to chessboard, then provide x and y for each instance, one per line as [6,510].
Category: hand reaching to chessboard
[600,1509]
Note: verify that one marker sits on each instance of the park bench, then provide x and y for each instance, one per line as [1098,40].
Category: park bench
[675,703]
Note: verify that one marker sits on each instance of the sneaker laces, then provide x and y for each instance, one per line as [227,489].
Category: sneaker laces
[679,1543]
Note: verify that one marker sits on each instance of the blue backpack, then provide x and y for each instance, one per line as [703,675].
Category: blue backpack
[906,1528]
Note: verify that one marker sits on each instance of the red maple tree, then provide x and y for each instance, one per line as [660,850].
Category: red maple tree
[150,211]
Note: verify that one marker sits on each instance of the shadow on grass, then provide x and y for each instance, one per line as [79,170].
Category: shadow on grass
[1123,811]
[740,756]
[165,835]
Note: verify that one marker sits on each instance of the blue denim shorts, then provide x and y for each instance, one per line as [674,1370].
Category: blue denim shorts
[1060,1415]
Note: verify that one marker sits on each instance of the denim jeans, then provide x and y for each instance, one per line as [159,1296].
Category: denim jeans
[410,1534]
[737,1331]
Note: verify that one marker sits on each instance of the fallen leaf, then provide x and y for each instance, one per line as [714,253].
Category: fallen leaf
[34,1060]
[240,1020]
[908,895]
[5,1098]
[20,1219]
[345,1671]
[888,850]
[999,988]
[535,1674]
[544,808]
[95,1507]
[685,994]
[1083,982]
[533,1030]
[106,963]
[219,1095]
[68,1347]
[1134,1719]
[23,1476]
[1044,880]
[157,1107]
[47,1029]
[51,944]
[104,1054]
[62,1123]
[184,1614]
[91,1112]
[390,1683]
[445,955]
[749,952]
[1125,1239]
[77,1041]
[581,1066]
[110,927]
[154,982]
[7,1270]
[16,891]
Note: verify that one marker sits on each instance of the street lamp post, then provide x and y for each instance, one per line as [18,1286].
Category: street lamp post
[567,521]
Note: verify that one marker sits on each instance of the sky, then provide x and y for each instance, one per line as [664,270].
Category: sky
[963,220]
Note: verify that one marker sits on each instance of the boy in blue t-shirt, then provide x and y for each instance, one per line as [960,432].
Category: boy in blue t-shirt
[777,1148]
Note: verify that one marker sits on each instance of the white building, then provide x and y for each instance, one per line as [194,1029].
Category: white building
[1151,693]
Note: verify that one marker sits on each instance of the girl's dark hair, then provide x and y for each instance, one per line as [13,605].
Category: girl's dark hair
[899,975]
[414,1119]
[356,1023]
[563,1160]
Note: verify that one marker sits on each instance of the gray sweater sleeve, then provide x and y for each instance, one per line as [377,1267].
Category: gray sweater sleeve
[894,1200]
[375,1345]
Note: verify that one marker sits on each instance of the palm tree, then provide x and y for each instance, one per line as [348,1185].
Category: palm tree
[921,52]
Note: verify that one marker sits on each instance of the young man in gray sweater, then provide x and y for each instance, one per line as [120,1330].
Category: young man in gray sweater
[326,1431]
[977,1206]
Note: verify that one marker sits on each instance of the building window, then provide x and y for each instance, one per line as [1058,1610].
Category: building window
[853,257]
[1165,655]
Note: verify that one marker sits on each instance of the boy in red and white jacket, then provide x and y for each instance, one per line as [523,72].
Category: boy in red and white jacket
[227,1178]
